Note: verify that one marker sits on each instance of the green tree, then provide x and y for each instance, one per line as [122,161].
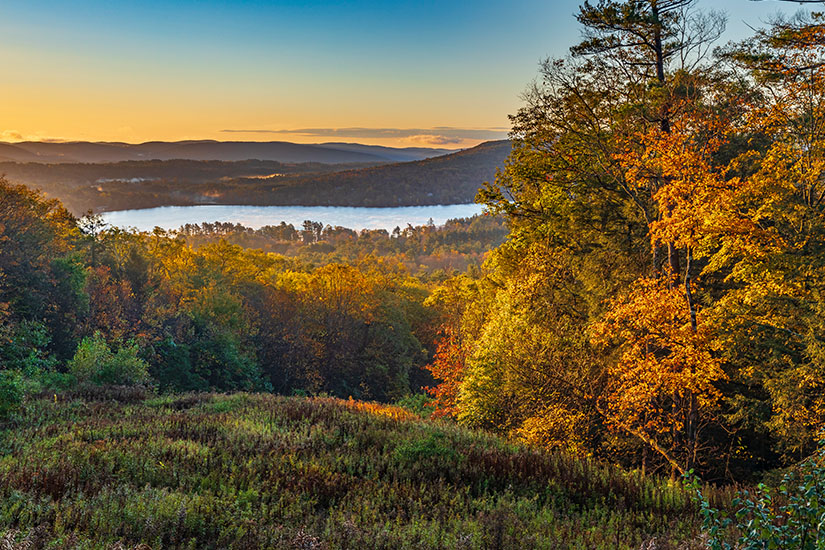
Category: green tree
[95,362]
[41,279]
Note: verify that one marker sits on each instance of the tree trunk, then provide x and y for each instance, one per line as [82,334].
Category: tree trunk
[664,121]
[691,430]
[673,263]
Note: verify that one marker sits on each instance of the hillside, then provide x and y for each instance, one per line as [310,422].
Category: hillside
[82,186]
[448,179]
[9,152]
[280,151]
[259,471]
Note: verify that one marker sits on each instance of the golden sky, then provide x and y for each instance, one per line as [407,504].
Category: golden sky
[421,73]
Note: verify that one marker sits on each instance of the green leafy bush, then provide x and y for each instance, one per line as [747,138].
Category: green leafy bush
[11,392]
[435,447]
[95,362]
[790,516]
[23,347]
[26,364]
[419,404]
[170,365]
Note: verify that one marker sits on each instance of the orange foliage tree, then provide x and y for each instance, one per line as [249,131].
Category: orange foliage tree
[448,367]
[661,389]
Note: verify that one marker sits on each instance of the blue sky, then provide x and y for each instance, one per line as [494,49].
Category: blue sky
[136,71]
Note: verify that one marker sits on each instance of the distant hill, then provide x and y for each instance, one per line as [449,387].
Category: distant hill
[9,152]
[65,180]
[280,151]
[390,154]
[448,179]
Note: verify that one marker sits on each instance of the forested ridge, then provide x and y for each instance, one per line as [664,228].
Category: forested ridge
[653,301]
[65,152]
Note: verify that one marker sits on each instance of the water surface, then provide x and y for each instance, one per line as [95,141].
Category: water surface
[173,217]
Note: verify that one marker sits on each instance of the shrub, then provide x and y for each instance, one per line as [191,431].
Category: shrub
[95,362]
[418,404]
[23,347]
[170,365]
[791,515]
[11,392]
[435,447]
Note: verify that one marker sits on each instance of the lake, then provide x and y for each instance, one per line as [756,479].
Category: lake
[173,217]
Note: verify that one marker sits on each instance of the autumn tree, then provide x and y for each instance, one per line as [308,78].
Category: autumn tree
[41,279]
[662,388]
[447,366]
[678,208]
[771,253]
[591,203]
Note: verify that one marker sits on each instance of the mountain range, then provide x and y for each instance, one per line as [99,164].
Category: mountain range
[280,151]
[452,178]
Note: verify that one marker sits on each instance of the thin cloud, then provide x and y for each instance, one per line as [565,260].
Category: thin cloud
[11,135]
[15,136]
[455,135]
[429,139]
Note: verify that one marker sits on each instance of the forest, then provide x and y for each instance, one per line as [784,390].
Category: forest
[144,184]
[658,301]
[645,293]
[335,311]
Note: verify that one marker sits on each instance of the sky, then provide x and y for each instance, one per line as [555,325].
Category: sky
[421,73]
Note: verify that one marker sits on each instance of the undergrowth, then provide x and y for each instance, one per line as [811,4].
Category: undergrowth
[260,471]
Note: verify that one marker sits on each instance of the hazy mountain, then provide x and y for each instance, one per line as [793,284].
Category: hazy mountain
[9,152]
[448,179]
[63,178]
[280,151]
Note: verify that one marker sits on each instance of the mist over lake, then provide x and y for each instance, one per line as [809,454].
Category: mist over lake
[173,217]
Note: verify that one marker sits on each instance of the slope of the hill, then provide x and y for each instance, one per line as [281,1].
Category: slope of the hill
[143,184]
[449,179]
[389,154]
[281,151]
[9,152]
[259,471]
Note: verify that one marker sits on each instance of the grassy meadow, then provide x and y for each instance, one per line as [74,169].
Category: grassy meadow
[120,470]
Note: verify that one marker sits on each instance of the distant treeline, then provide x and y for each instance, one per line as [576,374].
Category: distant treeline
[142,184]
[427,251]
[451,179]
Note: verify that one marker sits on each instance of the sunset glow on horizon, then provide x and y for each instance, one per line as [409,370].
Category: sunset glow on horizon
[423,74]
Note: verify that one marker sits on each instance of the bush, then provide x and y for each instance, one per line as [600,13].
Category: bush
[11,392]
[791,515]
[437,447]
[95,362]
[23,347]
[418,404]
[170,365]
